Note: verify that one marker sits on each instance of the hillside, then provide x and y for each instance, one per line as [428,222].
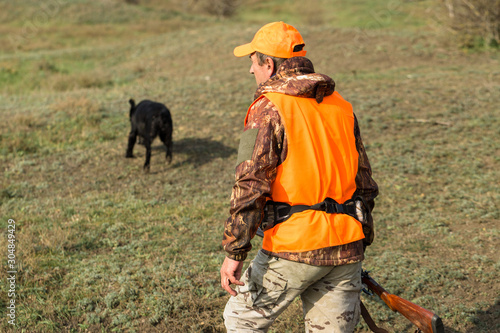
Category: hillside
[103,247]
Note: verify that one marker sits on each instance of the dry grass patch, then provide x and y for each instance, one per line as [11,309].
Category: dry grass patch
[475,22]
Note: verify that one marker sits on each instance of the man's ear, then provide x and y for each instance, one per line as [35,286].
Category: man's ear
[270,65]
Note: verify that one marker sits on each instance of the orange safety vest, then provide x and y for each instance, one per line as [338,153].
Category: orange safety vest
[321,162]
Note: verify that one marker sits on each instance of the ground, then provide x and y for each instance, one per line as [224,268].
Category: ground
[103,247]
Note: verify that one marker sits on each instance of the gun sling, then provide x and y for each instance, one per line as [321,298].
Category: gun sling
[369,320]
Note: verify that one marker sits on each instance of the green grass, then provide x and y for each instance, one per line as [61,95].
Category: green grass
[102,247]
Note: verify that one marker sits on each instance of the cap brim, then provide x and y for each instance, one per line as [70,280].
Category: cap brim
[243,50]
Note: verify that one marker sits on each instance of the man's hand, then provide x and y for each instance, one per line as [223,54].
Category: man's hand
[230,273]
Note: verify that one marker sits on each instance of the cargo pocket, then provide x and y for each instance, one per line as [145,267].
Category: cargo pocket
[267,287]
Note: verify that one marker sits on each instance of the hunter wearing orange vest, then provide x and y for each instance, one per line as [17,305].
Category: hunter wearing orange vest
[303,181]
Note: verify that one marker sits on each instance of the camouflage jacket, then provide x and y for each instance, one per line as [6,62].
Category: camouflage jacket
[255,174]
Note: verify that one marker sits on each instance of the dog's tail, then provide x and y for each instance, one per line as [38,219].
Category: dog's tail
[166,117]
[132,107]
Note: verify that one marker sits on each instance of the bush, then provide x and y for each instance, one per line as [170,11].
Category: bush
[223,8]
[220,8]
[477,22]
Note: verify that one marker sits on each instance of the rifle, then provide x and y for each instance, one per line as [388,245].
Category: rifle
[425,320]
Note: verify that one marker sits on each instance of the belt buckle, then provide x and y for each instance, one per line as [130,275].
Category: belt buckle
[330,206]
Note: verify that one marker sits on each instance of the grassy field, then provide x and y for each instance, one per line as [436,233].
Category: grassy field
[103,247]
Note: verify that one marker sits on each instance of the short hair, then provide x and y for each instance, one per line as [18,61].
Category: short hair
[261,60]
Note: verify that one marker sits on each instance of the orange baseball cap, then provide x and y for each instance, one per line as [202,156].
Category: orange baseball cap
[275,39]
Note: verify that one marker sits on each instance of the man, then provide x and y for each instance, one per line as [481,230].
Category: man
[303,176]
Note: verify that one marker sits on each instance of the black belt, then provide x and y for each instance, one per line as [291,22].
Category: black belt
[278,212]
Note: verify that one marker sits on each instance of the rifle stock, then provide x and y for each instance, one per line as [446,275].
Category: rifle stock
[425,320]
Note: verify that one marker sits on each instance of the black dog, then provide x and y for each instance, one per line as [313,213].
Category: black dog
[148,120]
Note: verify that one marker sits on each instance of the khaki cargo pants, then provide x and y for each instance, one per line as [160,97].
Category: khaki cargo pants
[330,295]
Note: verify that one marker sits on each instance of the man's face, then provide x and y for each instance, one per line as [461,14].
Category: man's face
[262,72]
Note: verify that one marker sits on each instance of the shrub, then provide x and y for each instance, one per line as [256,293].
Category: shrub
[222,8]
[476,22]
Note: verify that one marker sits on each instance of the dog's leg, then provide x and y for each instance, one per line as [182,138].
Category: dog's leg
[169,151]
[147,143]
[166,138]
[131,142]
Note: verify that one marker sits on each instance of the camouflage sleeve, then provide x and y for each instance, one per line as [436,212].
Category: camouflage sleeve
[365,185]
[254,175]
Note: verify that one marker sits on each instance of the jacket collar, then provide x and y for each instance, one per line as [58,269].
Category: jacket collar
[296,77]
